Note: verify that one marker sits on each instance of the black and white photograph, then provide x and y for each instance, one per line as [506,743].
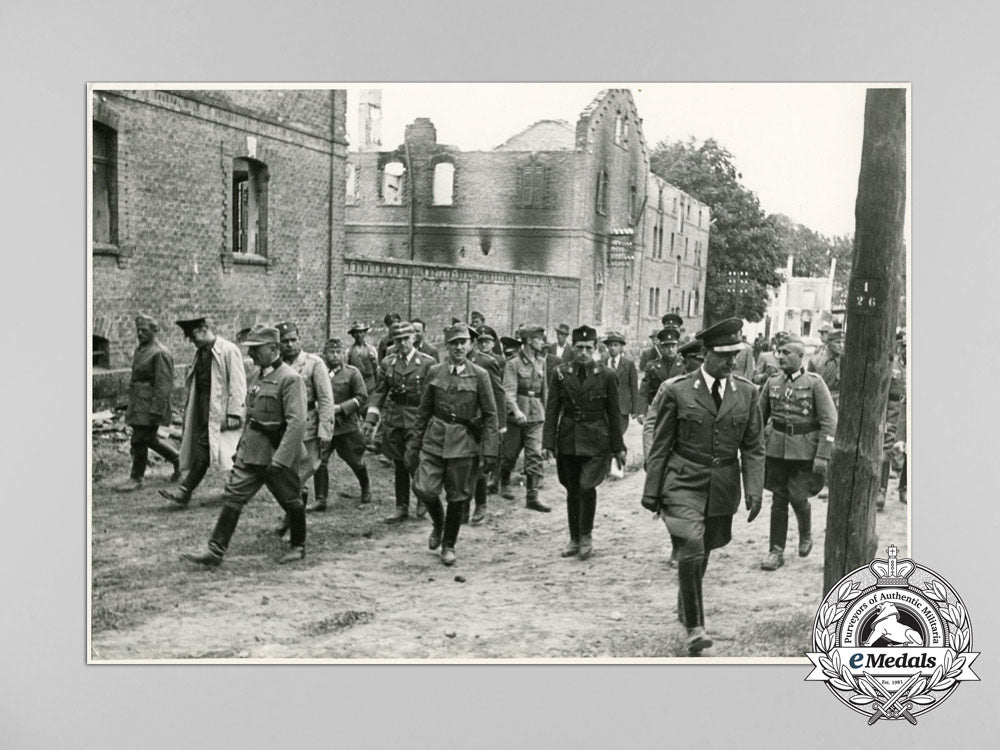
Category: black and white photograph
[521,372]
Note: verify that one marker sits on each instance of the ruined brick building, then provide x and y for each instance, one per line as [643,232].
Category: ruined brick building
[221,203]
[558,224]
[245,206]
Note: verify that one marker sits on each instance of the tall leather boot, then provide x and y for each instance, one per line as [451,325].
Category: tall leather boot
[803,515]
[402,488]
[436,511]
[225,526]
[479,512]
[361,473]
[689,575]
[531,498]
[321,485]
[505,489]
[296,514]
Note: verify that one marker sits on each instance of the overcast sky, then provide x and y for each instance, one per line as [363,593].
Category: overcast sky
[797,145]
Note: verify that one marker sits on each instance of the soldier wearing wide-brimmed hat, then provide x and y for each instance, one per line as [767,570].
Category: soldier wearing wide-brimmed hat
[393,409]
[558,349]
[707,437]
[362,355]
[583,430]
[270,449]
[217,389]
[455,432]
[149,402]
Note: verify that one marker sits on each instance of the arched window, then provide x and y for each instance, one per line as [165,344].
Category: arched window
[444,183]
[533,185]
[619,129]
[249,207]
[677,272]
[393,175]
[105,185]
[602,192]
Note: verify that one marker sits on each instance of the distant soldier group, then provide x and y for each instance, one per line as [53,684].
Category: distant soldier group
[717,426]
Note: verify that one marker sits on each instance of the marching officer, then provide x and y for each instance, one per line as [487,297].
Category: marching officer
[269,450]
[628,378]
[216,400]
[149,402]
[394,404]
[525,392]
[483,357]
[706,430]
[799,440]
[349,399]
[667,366]
[456,427]
[363,356]
[583,430]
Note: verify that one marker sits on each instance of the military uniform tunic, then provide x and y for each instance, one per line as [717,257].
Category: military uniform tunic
[396,399]
[657,372]
[525,391]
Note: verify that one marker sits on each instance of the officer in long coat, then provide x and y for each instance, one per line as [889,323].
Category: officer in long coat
[216,401]
[394,407]
[707,435]
[525,392]
[456,428]
[349,399]
[269,450]
[149,402]
[482,355]
[583,430]
[800,425]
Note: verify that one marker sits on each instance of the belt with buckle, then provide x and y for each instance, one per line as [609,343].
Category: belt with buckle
[703,459]
[789,428]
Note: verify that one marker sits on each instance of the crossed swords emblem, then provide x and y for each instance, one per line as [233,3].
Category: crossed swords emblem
[894,703]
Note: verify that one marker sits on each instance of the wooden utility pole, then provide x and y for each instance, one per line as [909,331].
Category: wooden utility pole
[873,301]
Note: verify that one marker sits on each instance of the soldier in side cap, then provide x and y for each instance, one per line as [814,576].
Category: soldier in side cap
[216,401]
[583,429]
[393,407]
[349,399]
[269,452]
[363,355]
[707,433]
[628,379]
[149,402]
[483,357]
[801,421]
[456,429]
[525,391]
[667,366]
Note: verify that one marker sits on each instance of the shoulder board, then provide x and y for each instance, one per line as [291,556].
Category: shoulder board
[425,356]
[677,378]
[740,378]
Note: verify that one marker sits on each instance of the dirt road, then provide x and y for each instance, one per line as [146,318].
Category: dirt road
[371,591]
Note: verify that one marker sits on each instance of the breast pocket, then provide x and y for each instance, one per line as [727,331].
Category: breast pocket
[266,405]
[689,423]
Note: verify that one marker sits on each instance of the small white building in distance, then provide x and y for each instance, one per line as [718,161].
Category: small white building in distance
[799,306]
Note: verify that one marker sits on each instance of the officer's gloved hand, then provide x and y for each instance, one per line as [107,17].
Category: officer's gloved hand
[546,454]
[519,418]
[651,503]
[754,504]
[820,466]
[489,464]
[640,418]
[274,469]
[620,459]
[410,459]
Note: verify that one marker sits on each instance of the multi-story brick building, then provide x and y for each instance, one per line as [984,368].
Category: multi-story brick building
[555,225]
[223,203]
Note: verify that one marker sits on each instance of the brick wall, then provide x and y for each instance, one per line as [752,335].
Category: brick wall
[174,257]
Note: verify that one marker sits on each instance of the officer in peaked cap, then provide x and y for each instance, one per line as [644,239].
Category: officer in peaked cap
[666,366]
[510,346]
[672,320]
[583,430]
[692,355]
[455,431]
[648,355]
[216,399]
[707,435]
[270,449]
[801,422]
[393,408]
[482,355]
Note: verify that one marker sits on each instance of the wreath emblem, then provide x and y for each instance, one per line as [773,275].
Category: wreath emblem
[892,640]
